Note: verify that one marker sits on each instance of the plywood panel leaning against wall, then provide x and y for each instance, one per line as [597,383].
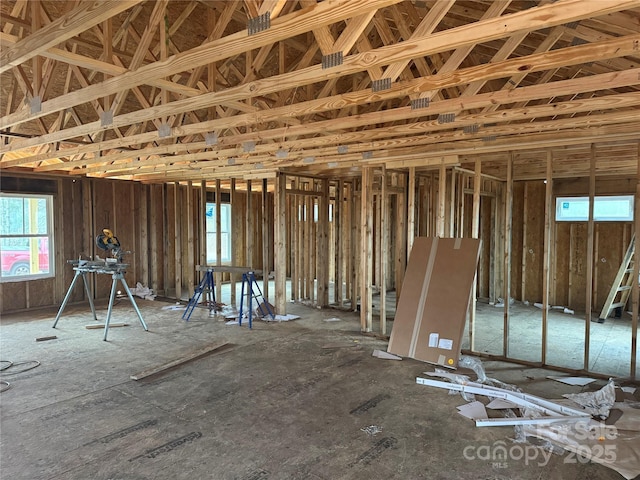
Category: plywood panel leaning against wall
[432,309]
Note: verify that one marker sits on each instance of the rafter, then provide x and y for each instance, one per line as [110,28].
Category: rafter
[426,27]
[80,19]
[472,103]
[572,55]
[380,141]
[213,51]
[517,75]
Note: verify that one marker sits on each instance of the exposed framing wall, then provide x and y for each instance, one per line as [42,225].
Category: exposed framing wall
[163,226]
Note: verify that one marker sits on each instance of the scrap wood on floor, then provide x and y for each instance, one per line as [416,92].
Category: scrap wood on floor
[192,356]
[560,426]
[95,326]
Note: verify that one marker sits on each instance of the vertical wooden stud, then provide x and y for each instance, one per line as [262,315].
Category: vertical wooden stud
[189,260]
[143,216]
[309,247]
[525,253]
[280,246]
[400,240]
[234,253]
[154,240]
[411,209]
[356,201]
[635,291]
[452,204]
[475,233]
[589,272]
[178,241]
[295,245]
[322,243]
[384,247]
[366,267]
[265,239]
[337,221]
[203,223]
[546,259]
[218,276]
[442,200]
[249,226]
[508,223]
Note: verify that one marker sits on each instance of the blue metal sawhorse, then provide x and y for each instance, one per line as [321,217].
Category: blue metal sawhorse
[253,291]
[207,285]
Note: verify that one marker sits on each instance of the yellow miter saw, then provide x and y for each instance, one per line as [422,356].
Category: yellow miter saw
[109,242]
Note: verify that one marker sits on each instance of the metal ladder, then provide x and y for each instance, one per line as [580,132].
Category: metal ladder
[622,284]
[253,292]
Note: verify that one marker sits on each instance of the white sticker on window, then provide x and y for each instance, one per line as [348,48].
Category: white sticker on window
[433,340]
[445,344]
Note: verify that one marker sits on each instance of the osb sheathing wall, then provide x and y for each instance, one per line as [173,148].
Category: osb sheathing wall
[569,245]
[159,224]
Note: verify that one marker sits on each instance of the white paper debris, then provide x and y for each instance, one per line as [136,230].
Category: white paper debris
[577,381]
[630,390]
[232,322]
[474,410]
[500,404]
[332,319]
[174,307]
[385,355]
[280,318]
[371,429]
[596,403]
[143,292]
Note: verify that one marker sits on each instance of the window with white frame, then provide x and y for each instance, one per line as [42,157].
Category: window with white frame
[225,233]
[611,208]
[26,237]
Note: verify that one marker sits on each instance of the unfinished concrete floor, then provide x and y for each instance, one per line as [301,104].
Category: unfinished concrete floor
[273,404]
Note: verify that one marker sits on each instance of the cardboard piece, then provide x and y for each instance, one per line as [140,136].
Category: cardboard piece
[265,309]
[629,416]
[577,381]
[614,448]
[432,308]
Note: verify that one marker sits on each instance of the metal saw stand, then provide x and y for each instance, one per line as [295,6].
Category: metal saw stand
[253,292]
[80,272]
[117,273]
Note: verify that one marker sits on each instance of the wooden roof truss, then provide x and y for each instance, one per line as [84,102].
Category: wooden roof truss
[172,90]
